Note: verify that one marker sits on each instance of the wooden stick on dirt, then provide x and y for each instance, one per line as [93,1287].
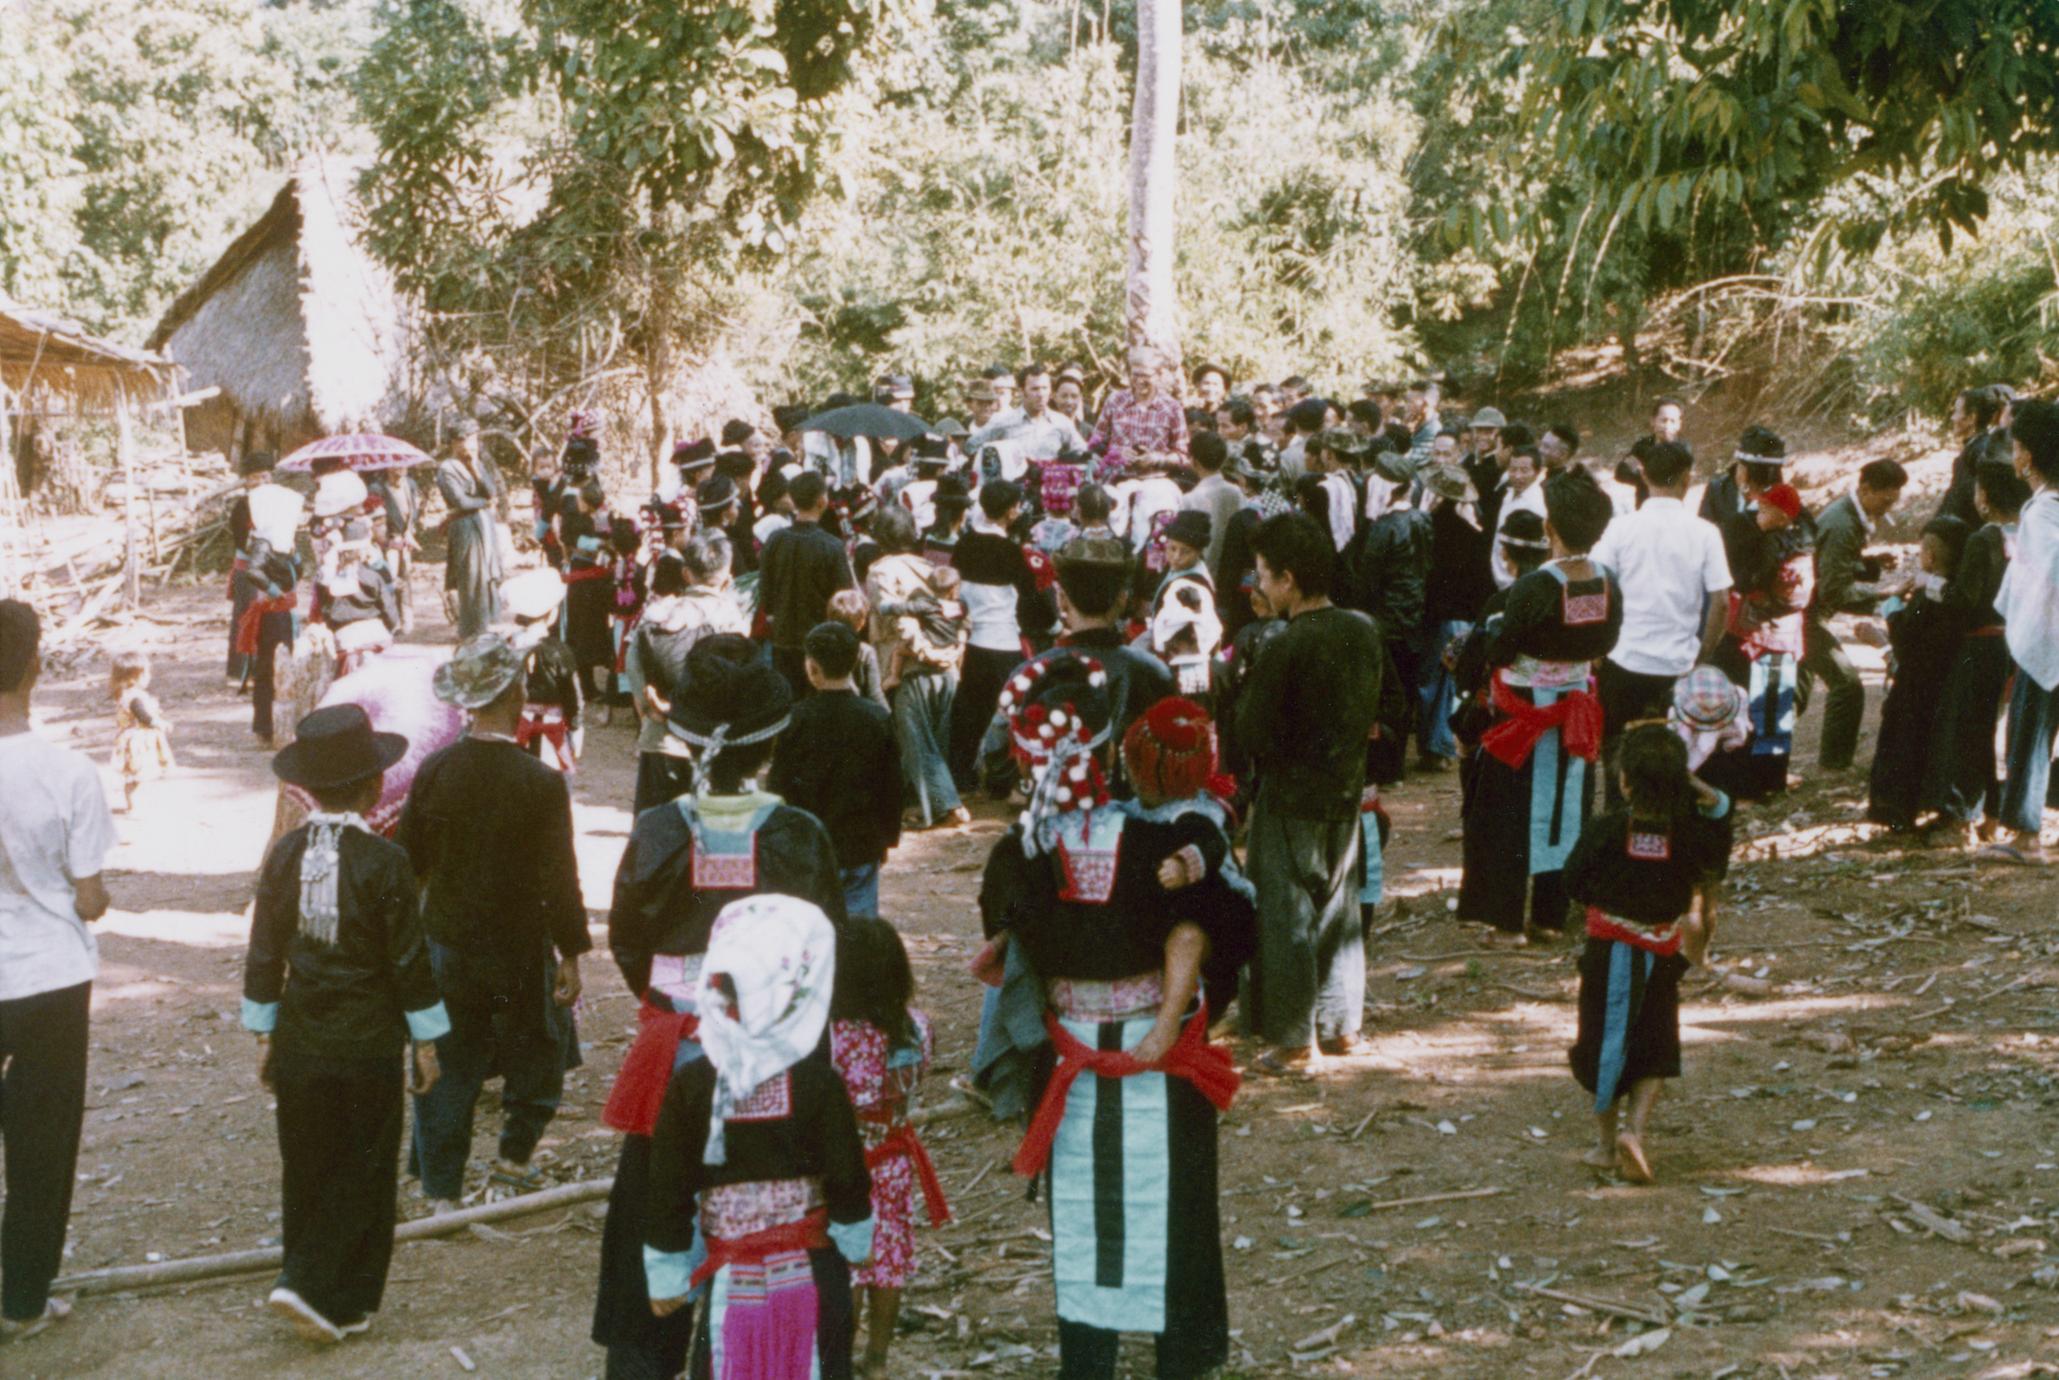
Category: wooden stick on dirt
[1435,1198]
[1621,1310]
[247,1262]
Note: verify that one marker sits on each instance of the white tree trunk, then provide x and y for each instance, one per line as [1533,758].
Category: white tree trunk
[1152,313]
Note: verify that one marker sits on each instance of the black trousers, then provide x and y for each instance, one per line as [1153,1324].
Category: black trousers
[274,630]
[42,1103]
[339,1153]
[979,694]
[661,779]
[1626,697]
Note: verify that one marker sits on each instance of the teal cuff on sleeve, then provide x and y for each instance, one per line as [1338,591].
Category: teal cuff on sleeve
[1718,810]
[853,1239]
[430,1023]
[260,1016]
[667,1274]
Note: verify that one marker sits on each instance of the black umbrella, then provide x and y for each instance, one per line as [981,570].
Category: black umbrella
[867,419]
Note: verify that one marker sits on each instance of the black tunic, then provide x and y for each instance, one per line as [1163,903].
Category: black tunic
[345,1000]
[658,910]
[1555,620]
[1651,890]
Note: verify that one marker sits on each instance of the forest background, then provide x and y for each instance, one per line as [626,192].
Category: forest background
[1851,203]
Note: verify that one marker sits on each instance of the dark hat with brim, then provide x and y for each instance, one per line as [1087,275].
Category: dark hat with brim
[336,747]
[478,672]
[950,426]
[693,455]
[1524,531]
[730,696]
[1448,481]
[1190,527]
[1393,466]
[1094,551]
[952,492]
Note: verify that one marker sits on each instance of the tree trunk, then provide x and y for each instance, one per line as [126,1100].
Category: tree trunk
[1152,315]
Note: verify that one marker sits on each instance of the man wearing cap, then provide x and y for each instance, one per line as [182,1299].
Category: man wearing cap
[727,840]
[803,565]
[1676,598]
[981,403]
[267,580]
[472,572]
[55,834]
[1731,500]
[1848,581]
[1038,431]
[336,984]
[1186,546]
[489,831]
[1343,452]
[896,391]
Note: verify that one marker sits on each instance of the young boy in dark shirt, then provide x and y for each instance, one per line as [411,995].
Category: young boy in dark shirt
[336,982]
[838,761]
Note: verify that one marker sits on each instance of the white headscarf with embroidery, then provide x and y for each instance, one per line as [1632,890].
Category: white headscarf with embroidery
[763,997]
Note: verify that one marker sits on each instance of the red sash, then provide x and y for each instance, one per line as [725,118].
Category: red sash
[536,724]
[811,1233]
[580,574]
[1192,1057]
[647,1069]
[1576,714]
[902,1142]
[254,617]
[1601,925]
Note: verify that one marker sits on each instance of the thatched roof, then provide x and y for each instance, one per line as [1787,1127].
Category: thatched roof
[41,352]
[296,323]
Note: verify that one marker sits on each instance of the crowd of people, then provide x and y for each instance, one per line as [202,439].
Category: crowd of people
[1190,639]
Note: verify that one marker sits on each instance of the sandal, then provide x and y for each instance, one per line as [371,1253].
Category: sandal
[55,1310]
[1271,1064]
[525,1178]
[2010,853]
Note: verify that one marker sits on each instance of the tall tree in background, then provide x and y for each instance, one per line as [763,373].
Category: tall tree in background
[1152,312]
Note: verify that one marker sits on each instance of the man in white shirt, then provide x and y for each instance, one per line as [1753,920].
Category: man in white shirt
[1522,493]
[2029,605]
[55,834]
[1038,430]
[1676,583]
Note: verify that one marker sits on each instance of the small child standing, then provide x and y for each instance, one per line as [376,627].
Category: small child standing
[1647,873]
[142,734]
[1924,636]
[838,761]
[335,983]
[848,606]
[881,1045]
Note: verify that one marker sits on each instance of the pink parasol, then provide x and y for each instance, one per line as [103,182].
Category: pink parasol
[360,450]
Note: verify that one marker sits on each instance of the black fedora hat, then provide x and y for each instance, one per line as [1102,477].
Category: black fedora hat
[336,747]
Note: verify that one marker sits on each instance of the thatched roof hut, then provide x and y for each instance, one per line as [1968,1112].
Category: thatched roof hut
[296,323]
[44,355]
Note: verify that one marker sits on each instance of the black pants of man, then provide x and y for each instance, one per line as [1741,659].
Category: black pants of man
[1626,697]
[339,1153]
[42,1104]
[1844,698]
[792,662]
[274,630]
[979,692]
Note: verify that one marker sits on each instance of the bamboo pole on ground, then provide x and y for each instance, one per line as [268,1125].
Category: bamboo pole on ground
[199,1267]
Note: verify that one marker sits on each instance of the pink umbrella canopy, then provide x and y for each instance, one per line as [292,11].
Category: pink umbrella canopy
[360,450]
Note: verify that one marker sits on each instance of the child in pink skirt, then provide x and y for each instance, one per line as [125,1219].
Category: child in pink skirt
[881,1045]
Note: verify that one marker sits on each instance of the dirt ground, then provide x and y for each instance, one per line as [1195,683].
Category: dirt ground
[1859,1170]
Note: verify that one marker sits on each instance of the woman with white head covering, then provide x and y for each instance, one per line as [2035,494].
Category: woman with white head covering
[758,1184]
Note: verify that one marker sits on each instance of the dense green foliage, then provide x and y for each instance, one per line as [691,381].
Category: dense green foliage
[582,187]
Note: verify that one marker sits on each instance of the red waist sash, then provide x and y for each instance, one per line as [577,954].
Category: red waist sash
[902,1143]
[811,1233]
[254,617]
[646,1070]
[1576,714]
[1664,943]
[580,574]
[548,724]
[1192,1057]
